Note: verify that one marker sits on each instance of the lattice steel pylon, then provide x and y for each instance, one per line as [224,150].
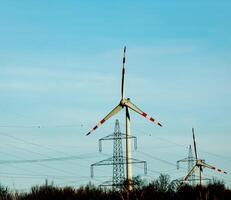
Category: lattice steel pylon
[118,160]
[118,166]
[191,161]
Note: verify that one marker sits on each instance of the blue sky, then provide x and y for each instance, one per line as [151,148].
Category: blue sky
[60,69]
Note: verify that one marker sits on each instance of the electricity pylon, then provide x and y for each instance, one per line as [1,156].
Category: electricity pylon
[117,160]
[190,161]
[118,166]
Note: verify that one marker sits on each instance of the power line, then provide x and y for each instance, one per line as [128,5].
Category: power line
[156,158]
[43,160]
[37,145]
[226,158]
[69,158]
[162,160]
[43,165]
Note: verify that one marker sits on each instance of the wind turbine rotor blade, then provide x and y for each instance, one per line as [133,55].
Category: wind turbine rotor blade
[113,112]
[136,109]
[214,168]
[194,143]
[190,173]
[123,76]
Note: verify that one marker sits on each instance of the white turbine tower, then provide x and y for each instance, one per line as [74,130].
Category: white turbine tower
[200,164]
[126,103]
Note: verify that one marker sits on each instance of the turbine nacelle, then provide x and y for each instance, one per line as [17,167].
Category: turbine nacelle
[124,102]
[200,162]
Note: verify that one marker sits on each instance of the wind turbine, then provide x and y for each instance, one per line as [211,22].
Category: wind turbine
[200,164]
[127,104]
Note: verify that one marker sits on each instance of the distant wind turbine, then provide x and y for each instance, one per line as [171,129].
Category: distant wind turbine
[200,164]
[126,103]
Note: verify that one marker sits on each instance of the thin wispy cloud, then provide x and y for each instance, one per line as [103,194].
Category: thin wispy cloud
[50,80]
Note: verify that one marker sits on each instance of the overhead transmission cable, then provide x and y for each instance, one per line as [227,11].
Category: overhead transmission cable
[43,146]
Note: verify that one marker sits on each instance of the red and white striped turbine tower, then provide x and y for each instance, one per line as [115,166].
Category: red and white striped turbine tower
[127,104]
[200,164]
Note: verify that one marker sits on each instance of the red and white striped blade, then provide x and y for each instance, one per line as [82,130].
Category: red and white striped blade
[123,76]
[113,112]
[190,173]
[136,109]
[213,168]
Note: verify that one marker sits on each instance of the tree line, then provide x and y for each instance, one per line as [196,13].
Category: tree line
[160,189]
